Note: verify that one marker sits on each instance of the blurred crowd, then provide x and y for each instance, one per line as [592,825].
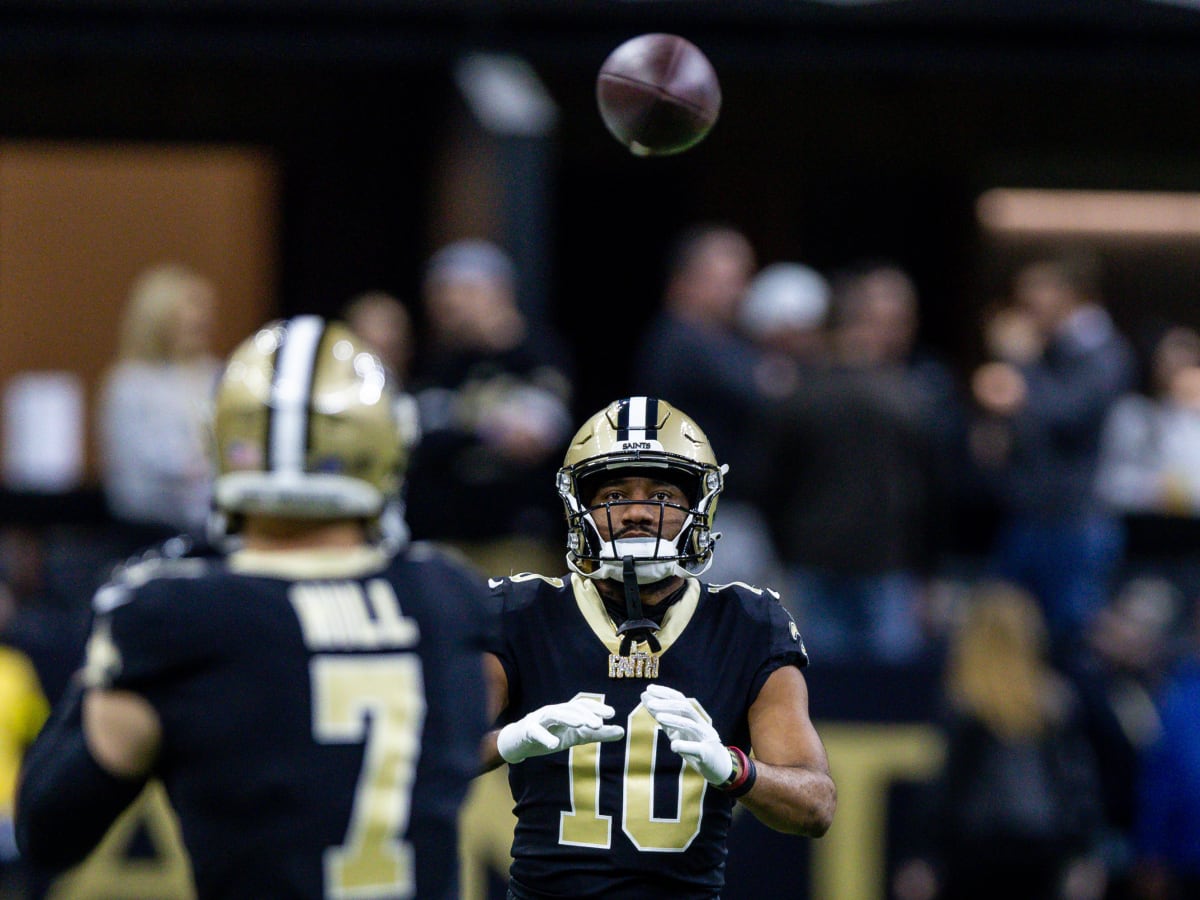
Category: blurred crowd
[858,458]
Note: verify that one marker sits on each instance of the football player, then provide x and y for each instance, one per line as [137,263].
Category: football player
[641,704]
[313,700]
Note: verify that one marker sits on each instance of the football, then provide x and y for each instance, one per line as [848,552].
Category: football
[658,94]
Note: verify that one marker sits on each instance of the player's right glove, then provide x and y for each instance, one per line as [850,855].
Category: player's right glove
[557,727]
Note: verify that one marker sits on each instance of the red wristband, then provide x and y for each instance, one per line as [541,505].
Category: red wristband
[751,775]
[742,772]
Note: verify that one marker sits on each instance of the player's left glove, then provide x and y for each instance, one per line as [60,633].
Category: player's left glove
[692,735]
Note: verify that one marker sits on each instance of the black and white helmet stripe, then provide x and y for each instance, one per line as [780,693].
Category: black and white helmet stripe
[637,420]
[291,394]
[305,425]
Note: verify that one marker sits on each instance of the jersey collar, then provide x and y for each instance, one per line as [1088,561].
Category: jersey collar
[308,564]
[591,607]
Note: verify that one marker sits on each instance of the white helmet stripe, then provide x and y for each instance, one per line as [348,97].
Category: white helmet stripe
[638,419]
[291,392]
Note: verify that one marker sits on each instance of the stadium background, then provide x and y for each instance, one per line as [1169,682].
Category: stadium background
[849,129]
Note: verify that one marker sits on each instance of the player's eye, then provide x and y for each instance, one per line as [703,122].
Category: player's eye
[669,494]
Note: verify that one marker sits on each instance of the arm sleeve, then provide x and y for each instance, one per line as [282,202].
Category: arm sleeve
[66,801]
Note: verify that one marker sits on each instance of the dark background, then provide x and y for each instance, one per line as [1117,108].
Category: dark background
[847,130]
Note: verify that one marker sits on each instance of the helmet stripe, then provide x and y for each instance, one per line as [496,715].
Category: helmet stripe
[637,419]
[623,420]
[291,394]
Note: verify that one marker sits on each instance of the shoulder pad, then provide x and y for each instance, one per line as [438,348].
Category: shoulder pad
[131,575]
[497,583]
[741,585]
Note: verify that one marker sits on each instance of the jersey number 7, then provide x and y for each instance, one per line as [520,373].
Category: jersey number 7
[379,700]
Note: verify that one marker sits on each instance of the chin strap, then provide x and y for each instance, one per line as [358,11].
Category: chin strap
[636,628]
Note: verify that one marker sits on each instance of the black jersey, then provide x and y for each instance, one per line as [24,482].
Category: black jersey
[628,819]
[321,714]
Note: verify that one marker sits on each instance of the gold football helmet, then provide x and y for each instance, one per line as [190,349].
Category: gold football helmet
[306,426]
[641,433]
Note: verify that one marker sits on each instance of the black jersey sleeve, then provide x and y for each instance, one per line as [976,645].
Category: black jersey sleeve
[517,600]
[147,628]
[786,640]
[66,801]
[504,599]
[783,644]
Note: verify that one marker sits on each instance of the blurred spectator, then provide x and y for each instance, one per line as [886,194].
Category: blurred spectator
[1129,648]
[23,710]
[693,356]
[1015,811]
[848,483]
[785,313]
[153,406]
[880,326]
[691,350]
[40,645]
[385,324]
[1150,448]
[494,393]
[1168,790]
[880,321]
[1036,439]
[46,626]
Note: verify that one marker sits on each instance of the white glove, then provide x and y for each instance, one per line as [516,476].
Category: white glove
[692,735]
[557,727]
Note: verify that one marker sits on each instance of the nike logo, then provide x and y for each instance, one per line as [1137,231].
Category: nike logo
[494,583]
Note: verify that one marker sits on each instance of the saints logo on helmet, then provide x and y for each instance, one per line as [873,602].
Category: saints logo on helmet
[305,426]
[641,435]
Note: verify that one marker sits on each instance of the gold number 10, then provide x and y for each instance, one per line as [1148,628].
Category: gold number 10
[584,826]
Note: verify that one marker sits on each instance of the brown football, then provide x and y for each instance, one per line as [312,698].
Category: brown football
[658,94]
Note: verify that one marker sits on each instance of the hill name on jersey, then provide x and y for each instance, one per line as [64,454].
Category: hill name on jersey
[342,615]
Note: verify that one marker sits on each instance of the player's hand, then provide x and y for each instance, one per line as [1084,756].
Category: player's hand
[692,735]
[557,727]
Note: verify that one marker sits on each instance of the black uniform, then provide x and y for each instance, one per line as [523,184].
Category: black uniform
[627,819]
[321,714]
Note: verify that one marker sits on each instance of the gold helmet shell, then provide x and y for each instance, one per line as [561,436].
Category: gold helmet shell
[306,425]
[641,433]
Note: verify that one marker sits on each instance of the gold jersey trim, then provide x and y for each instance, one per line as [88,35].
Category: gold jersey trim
[297,565]
[591,606]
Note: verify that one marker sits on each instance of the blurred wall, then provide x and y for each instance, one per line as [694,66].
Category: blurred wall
[79,221]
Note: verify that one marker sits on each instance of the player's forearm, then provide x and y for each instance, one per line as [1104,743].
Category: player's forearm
[489,752]
[792,799]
